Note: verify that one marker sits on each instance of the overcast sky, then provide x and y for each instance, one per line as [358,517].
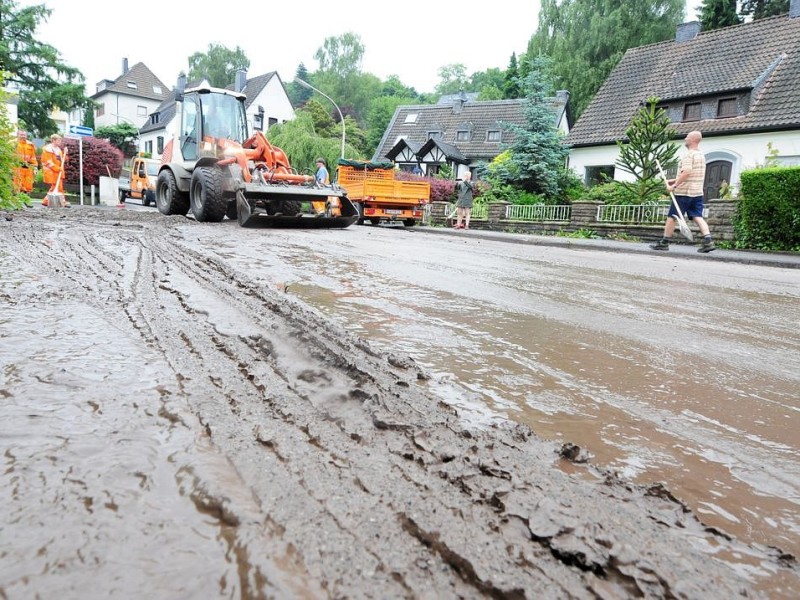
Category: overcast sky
[413,43]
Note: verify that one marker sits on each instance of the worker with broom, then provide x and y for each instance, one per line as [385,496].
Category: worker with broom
[53,159]
[688,190]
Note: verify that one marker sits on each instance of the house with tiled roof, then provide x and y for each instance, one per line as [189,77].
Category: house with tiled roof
[267,104]
[130,98]
[738,85]
[460,133]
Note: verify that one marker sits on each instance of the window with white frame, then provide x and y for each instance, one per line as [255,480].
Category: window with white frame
[141,111]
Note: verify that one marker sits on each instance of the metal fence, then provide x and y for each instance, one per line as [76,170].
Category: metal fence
[635,213]
[538,212]
[479,211]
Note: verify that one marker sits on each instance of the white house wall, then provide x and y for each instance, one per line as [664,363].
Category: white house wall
[275,102]
[743,151]
[120,108]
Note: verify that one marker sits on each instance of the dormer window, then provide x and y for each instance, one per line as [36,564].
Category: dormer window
[691,111]
[726,107]
[411,117]
[154,118]
[462,135]
[132,85]
[493,135]
[434,134]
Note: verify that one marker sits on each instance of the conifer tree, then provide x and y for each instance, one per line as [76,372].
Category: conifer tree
[537,153]
[716,14]
[761,9]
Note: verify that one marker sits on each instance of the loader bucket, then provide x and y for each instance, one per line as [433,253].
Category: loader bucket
[289,206]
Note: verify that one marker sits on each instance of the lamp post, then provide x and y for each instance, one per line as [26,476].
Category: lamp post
[341,118]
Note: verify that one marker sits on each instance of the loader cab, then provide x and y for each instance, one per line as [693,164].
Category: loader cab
[209,115]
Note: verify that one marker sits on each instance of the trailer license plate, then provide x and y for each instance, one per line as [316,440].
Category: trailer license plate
[393,211]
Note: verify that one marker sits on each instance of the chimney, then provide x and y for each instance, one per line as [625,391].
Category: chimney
[124,66]
[240,81]
[687,31]
[458,103]
[794,8]
[181,85]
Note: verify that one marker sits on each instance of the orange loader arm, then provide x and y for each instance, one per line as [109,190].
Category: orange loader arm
[269,159]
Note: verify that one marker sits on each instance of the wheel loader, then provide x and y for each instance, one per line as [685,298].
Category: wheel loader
[212,166]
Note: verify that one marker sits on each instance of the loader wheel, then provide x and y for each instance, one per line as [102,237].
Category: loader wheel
[206,195]
[232,212]
[169,199]
[290,207]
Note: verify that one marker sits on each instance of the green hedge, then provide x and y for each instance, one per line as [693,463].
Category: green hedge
[768,211]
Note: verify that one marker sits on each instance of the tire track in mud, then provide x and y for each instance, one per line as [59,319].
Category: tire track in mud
[365,483]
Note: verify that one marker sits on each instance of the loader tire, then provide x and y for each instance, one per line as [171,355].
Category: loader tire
[169,199]
[206,195]
[290,207]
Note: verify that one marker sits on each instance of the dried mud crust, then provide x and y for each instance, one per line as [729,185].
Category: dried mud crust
[377,486]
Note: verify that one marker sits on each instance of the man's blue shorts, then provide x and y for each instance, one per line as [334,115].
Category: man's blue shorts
[690,205]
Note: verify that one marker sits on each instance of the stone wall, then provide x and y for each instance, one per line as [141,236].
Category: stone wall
[584,217]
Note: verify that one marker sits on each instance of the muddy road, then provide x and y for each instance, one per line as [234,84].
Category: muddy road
[197,410]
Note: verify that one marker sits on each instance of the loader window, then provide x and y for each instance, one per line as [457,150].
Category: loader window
[223,117]
[189,128]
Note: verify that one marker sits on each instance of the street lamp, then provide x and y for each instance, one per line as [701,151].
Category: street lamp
[311,87]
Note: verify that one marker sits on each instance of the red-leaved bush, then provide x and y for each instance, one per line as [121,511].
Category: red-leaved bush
[99,157]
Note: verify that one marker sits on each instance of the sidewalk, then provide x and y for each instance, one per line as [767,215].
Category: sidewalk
[789,260]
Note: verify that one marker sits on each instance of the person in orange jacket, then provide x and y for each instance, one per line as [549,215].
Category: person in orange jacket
[53,158]
[26,169]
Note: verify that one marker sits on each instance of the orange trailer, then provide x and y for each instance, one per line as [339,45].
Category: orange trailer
[379,196]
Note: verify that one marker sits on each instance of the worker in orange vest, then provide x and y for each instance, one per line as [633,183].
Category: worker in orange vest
[53,158]
[26,169]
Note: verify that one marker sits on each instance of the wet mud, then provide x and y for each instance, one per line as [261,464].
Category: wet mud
[198,410]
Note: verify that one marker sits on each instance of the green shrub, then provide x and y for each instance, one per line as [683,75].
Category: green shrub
[617,192]
[768,211]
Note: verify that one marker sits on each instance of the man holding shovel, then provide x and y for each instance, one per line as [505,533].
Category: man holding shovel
[53,158]
[688,190]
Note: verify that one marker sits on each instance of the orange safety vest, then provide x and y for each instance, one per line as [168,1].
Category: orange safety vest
[52,163]
[23,173]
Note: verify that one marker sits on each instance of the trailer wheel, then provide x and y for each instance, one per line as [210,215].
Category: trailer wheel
[205,195]
[360,210]
[169,199]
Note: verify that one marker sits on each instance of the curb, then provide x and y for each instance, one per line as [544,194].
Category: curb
[788,260]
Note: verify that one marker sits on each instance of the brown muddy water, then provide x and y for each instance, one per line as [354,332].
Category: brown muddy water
[687,374]
[206,411]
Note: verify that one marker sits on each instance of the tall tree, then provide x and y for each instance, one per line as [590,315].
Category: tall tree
[299,94]
[716,14]
[511,79]
[339,75]
[647,139]
[761,9]
[44,80]
[341,55]
[452,79]
[218,65]
[538,155]
[587,38]
[122,136]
